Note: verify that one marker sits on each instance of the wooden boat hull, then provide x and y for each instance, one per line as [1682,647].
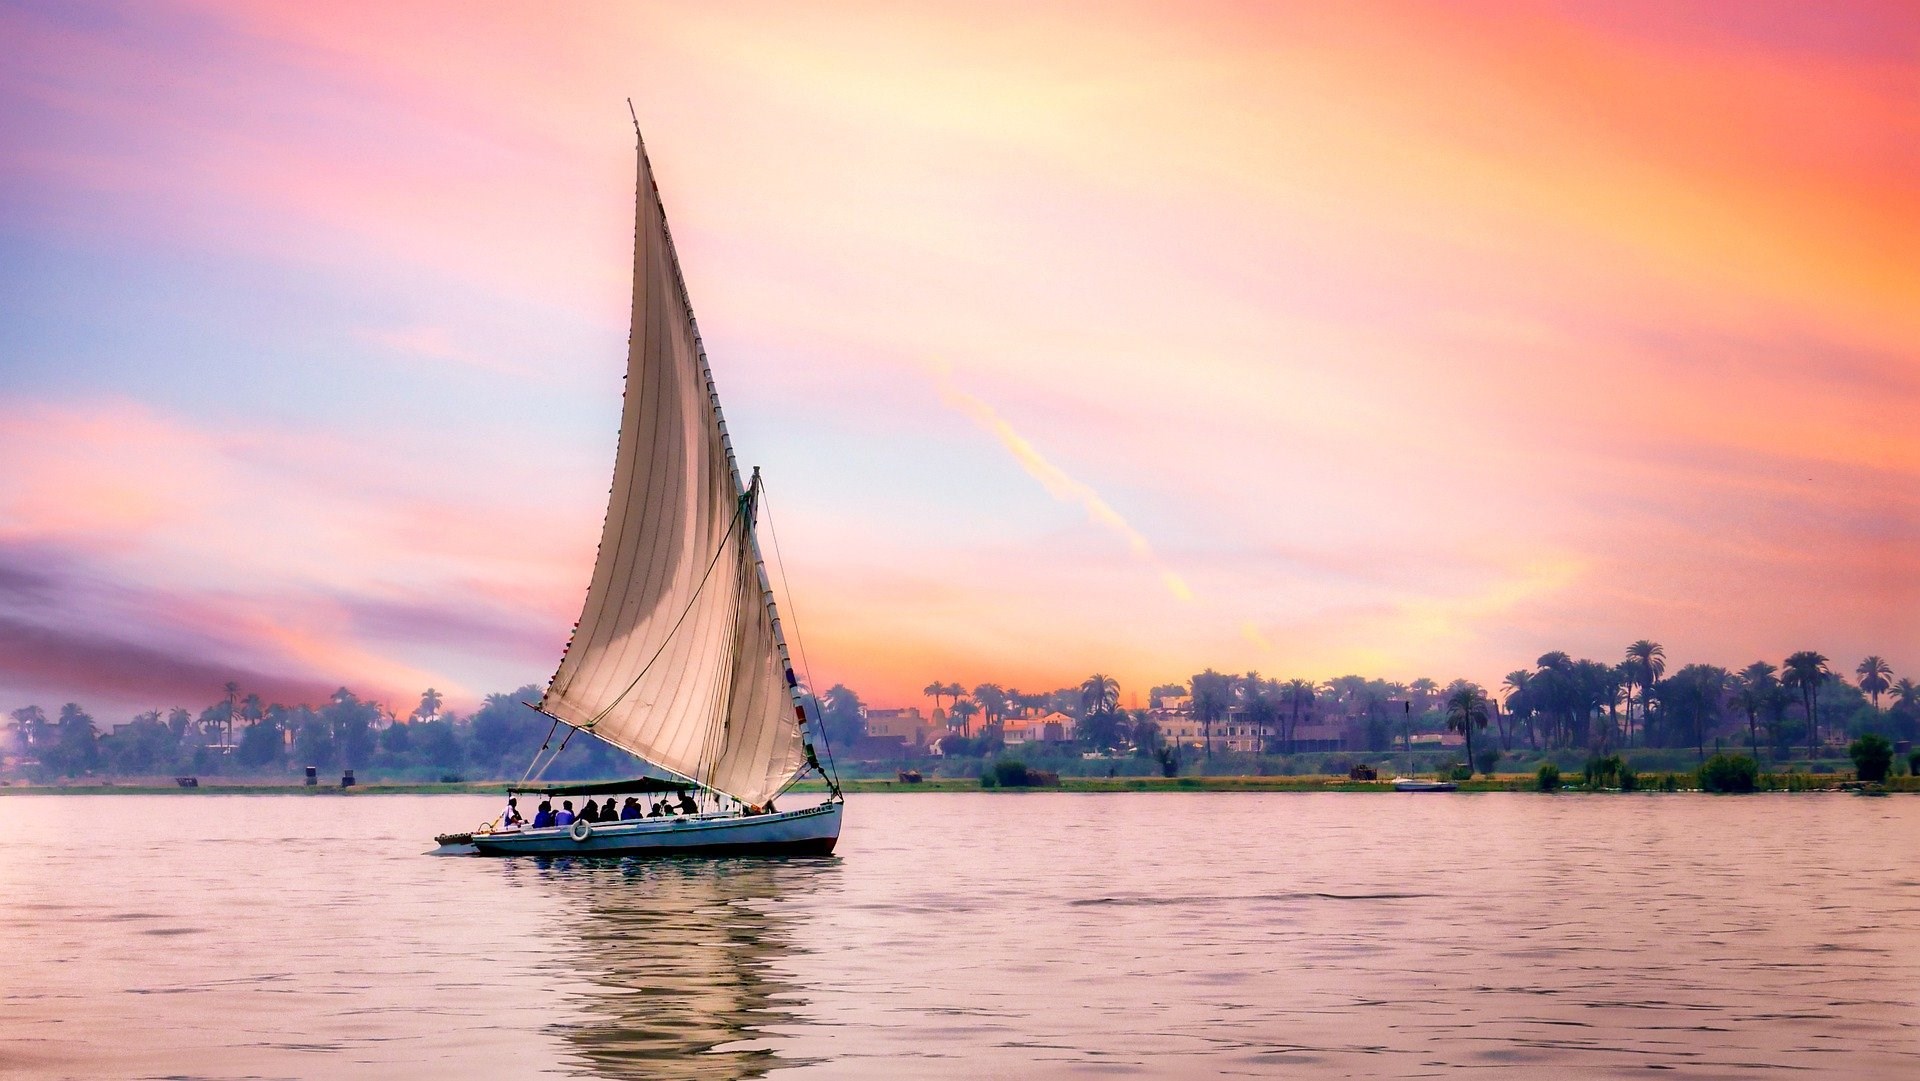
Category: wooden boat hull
[810,831]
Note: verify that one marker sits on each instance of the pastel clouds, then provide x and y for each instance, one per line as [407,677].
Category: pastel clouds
[1416,339]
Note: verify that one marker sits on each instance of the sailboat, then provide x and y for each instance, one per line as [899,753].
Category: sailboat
[1405,782]
[679,656]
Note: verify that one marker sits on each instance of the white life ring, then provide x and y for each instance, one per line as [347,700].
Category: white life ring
[580,830]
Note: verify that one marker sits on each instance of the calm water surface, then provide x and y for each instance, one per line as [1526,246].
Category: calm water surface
[974,936]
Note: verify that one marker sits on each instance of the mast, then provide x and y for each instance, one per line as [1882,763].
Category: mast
[748,494]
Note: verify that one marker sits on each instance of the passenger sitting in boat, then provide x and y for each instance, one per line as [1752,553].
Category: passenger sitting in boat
[659,809]
[687,806]
[543,818]
[630,809]
[510,818]
[566,815]
[591,812]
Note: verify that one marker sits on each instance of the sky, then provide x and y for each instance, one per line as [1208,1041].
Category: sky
[1408,339]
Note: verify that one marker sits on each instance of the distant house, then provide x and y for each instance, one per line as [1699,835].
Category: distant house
[908,725]
[1317,738]
[1055,727]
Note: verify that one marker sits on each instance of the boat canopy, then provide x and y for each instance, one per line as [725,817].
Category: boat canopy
[601,788]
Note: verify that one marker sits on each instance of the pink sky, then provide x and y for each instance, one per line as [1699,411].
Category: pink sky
[1414,340]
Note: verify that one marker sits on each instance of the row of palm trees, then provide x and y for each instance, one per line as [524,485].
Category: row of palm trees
[1560,702]
[1635,696]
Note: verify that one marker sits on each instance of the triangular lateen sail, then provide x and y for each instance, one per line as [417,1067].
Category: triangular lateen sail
[675,657]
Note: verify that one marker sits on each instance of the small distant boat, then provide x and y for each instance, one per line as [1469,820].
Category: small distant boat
[1412,784]
[679,656]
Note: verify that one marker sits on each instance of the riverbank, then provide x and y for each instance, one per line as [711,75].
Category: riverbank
[1514,782]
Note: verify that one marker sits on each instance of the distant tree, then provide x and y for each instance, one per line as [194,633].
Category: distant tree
[1423,691]
[1876,676]
[1212,697]
[842,715]
[313,743]
[429,704]
[433,743]
[1605,684]
[964,711]
[1694,696]
[1905,713]
[261,744]
[1646,662]
[1519,703]
[351,721]
[1258,705]
[1298,696]
[1805,671]
[178,721]
[1755,688]
[32,727]
[1466,711]
[233,710]
[993,702]
[394,739]
[1157,697]
[504,732]
[75,747]
[1099,693]
[936,691]
[142,746]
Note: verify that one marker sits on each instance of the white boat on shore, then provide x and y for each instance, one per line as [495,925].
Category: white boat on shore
[1414,784]
[679,656]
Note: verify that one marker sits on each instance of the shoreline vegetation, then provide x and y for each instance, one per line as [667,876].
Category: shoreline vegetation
[1562,723]
[1651,784]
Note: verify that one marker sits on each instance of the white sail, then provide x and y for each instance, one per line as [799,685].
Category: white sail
[675,657]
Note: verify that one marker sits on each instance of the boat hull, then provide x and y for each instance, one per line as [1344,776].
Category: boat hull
[1424,786]
[810,831]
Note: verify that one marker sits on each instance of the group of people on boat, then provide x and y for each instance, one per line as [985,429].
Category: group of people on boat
[545,817]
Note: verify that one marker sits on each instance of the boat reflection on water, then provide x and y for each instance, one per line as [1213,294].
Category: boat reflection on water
[674,967]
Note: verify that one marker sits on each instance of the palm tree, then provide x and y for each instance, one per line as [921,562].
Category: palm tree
[965,711]
[1212,694]
[1755,687]
[1647,661]
[1299,694]
[429,703]
[1467,710]
[1806,671]
[1099,694]
[1906,695]
[1876,675]
[935,690]
[1519,701]
[993,702]
[1423,690]
[233,703]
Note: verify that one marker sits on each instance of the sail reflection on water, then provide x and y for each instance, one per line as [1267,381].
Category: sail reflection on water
[674,968]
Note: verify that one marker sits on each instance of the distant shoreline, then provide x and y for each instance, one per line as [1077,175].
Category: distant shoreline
[1498,783]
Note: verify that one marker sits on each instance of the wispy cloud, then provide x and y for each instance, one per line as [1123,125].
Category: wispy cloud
[1056,481]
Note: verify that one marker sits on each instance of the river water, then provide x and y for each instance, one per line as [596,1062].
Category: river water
[974,936]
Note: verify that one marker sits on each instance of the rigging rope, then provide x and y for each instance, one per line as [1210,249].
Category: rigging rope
[793,613]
